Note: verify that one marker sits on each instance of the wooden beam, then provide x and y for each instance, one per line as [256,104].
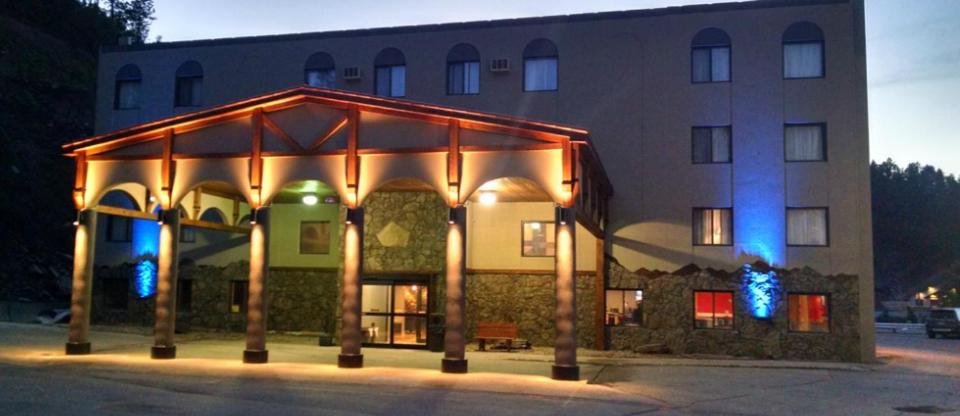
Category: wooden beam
[256,155]
[80,181]
[215,226]
[167,168]
[353,159]
[197,194]
[123,212]
[322,138]
[453,161]
[277,131]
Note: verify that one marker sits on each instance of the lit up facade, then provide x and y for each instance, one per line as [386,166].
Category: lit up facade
[423,171]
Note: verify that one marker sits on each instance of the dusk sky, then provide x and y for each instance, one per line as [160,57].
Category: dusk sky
[913,53]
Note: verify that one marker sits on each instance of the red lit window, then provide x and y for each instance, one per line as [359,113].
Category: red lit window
[713,309]
[809,313]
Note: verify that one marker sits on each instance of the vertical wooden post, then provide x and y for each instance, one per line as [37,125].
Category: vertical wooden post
[600,300]
[78,341]
[565,262]
[351,336]
[167,265]
[454,340]
[256,351]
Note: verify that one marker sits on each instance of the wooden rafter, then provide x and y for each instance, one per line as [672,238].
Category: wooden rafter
[277,131]
[453,161]
[326,135]
[256,157]
[167,167]
[352,158]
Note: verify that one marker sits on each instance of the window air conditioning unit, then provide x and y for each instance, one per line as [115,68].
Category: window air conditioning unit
[500,65]
[351,73]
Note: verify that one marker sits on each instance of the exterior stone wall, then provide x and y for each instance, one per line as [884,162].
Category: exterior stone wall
[668,316]
[529,301]
[404,232]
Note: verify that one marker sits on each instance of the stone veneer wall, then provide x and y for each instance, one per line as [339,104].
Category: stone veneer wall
[668,316]
[529,301]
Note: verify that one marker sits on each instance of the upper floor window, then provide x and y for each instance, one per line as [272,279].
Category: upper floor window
[712,226]
[807,227]
[463,70]
[390,73]
[127,88]
[803,51]
[805,142]
[189,85]
[710,56]
[711,144]
[540,66]
[320,71]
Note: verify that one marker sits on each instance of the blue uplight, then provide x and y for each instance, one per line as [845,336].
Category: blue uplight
[762,291]
[146,243]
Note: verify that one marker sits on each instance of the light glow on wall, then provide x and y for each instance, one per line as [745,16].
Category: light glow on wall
[762,291]
[488,198]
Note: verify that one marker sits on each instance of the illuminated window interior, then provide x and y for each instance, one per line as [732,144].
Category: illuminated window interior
[713,309]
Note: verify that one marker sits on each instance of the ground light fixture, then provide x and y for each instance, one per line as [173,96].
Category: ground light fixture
[488,197]
[310,199]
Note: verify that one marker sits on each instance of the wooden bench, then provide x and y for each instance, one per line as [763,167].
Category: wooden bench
[496,331]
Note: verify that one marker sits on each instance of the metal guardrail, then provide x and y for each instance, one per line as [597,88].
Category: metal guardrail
[900,328]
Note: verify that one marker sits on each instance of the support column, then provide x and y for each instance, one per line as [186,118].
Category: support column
[256,351]
[350,334]
[600,298]
[167,265]
[78,341]
[454,339]
[565,347]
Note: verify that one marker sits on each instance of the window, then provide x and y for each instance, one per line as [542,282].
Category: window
[711,144]
[805,142]
[127,88]
[624,307]
[390,73]
[320,71]
[189,85]
[315,237]
[713,309]
[803,51]
[238,296]
[809,312]
[185,295]
[188,234]
[710,56]
[116,293]
[539,239]
[712,226]
[463,70]
[807,227]
[119,229]
[540,62]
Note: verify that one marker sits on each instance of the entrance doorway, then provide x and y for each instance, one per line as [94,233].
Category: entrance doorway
[395,312]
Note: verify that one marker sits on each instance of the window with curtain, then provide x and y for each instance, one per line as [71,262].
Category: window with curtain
[713,309]
[712,226]
[390,73]
[463,70]
[127,88]
[189,85]
[711,144]
[624,307]
[320,71]
[710,56]
[803,51]
[809,312]
[807,227]
[540,66]
[804,142]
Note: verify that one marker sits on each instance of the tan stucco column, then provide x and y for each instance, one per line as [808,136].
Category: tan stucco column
[256,351]
[454,338]
[351,336]
[565,347]
[78,341]
[167,265]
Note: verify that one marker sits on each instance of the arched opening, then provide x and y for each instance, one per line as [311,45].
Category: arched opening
[803,54]
[127,88]
[320,71]
[463,70]
[710,56]
[390,73]
[189,85]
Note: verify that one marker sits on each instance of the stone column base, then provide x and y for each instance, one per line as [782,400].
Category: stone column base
[78,348]
[255,356]
[453,365]
[163,352]
[566,372]
[350,360]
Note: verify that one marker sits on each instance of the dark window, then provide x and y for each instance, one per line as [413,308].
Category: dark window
[188,234]
[213,215]
[119,229]
[239,289]
[539,239]
[712,226]
[189,85]
[185,295]
[803,55]
[805,142]
[315,237]
[711,144]
[116,293]
[127,88]
[320,71]
[809,312]
[710,56]
[807,227]
[463,70]
[390,73]
[713,309]
[624,307]
[540,66]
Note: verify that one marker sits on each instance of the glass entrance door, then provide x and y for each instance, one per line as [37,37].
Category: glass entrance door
[394,313]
